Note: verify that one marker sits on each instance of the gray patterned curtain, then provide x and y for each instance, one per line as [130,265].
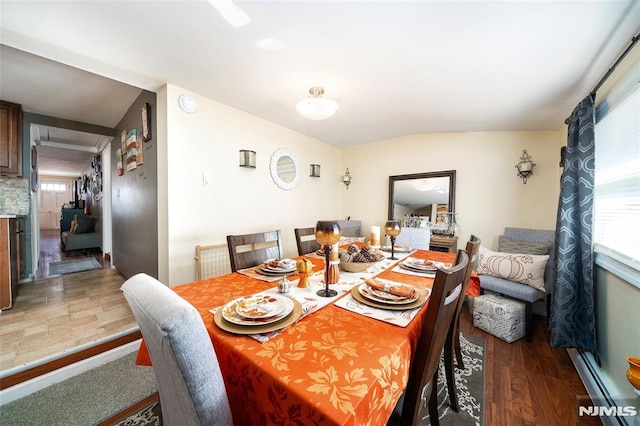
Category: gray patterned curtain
[573,322]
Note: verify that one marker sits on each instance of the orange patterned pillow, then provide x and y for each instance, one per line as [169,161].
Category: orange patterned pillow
[522,268]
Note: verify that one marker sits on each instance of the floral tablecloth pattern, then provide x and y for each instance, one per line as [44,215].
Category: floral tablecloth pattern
[332,367]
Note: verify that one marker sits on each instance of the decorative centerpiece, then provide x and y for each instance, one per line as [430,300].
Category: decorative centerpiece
[354,259]
[327,234]
[304,267]
[392,229]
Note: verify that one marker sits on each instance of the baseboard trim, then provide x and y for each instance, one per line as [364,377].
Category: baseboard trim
[18,375]
[596,388]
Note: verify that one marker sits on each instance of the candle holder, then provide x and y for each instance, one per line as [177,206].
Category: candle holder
[392,229]
[327,234]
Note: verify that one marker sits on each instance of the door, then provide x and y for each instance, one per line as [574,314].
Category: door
[53,194]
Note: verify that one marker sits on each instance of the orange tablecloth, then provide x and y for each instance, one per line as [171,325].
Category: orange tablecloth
[331,367]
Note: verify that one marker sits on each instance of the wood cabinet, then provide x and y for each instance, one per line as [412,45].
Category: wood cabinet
[10,139]
[11,263]
[442,243]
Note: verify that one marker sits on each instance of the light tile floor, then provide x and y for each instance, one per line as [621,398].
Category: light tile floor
[59,313]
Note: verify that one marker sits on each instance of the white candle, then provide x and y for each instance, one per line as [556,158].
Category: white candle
[375,235]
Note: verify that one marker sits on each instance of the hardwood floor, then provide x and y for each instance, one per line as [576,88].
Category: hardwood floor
[529,383]
[58,313]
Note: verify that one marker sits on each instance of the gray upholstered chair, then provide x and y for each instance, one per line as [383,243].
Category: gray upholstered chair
[184,361]
[525,293]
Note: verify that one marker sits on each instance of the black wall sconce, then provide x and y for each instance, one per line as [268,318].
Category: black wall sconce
[525,166]
[346,178]
[314,170]
[247,158]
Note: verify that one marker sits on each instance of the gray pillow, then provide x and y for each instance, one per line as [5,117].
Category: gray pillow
[507,245]
[86,224]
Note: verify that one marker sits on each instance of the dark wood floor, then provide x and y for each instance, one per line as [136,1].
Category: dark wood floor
[51,251]
[529,383]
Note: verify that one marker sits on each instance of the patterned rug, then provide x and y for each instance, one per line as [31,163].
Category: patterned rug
[469,383]
[74,265]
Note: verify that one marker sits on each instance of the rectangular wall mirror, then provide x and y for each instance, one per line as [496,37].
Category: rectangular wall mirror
[421,196]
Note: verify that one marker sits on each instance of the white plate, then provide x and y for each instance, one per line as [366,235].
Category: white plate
[283,265]
[428,273]
[424,265]
[260,306]
[230,313]
[383,296]
[397,249]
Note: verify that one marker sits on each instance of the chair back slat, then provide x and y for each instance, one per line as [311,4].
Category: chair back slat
[250,250]
[306,240]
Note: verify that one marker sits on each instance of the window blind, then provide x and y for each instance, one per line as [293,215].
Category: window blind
[617,173]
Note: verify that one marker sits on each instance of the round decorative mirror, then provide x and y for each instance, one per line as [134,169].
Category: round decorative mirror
[284,169]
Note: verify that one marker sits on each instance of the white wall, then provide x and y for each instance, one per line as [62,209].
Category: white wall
[240,200]
[489,195]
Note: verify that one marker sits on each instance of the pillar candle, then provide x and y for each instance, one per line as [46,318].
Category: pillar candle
[375,235]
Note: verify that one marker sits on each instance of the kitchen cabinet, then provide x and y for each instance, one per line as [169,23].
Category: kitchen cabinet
[11,259]
[10,139]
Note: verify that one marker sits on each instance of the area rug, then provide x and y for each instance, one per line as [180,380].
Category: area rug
[469,382]
[74,265]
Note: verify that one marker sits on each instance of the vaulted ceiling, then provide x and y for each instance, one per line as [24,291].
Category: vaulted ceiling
[395,67]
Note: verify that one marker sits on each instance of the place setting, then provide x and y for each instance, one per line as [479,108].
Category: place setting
[271,270]
[385,300]
[419,267]
[256,314]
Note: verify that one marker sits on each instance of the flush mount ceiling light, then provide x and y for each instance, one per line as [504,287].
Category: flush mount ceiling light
[315,107]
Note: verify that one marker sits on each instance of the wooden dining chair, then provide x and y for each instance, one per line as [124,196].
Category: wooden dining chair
[188,376]
[306,240]
[250,250]
[452,345]
[443,302]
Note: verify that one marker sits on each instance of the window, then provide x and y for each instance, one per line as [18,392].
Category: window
[56,187]
[617,173]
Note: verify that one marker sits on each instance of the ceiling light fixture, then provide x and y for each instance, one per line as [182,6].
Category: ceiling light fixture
[315,107]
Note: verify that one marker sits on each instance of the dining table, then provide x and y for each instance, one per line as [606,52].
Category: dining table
[341,362]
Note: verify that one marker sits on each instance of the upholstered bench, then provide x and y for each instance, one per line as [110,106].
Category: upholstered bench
[500,316]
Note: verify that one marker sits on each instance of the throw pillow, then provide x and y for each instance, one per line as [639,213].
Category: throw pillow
[518,267]
[74,224]
[85,224]
[508,245]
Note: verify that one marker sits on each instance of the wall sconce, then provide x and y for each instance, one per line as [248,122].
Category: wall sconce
[247,158]
[525,166]
[346,178]
[314,170]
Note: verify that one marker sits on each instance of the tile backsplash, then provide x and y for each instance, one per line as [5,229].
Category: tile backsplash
[14,195]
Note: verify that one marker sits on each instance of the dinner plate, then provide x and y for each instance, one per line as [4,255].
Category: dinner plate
[383,296]
[390,307]
[431,273]
[261,327]
[397,248]
[424,265]
[261,306]
[272,272]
